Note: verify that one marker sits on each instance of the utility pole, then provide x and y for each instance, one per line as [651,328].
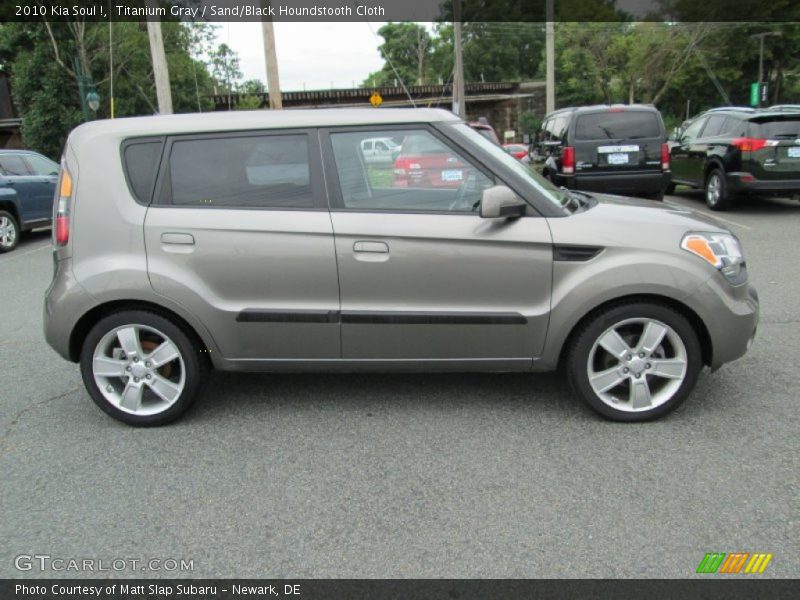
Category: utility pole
[459,107]
[271,60]
[160,70]
[761,37]
[550,58]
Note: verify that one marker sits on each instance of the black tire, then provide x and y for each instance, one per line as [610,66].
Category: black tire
[583,341]
[722,200]
[193,365]
[9,238]
[670,189]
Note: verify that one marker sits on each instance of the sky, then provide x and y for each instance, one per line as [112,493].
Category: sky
[314,55]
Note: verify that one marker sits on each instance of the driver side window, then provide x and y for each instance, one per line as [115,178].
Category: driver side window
[427,175]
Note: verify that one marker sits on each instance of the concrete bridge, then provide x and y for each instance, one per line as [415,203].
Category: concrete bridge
[501,103]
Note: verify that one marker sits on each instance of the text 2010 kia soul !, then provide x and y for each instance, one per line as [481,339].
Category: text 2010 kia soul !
[265,241]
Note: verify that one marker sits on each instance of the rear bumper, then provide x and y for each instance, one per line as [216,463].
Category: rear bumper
[744,182]
[620,183]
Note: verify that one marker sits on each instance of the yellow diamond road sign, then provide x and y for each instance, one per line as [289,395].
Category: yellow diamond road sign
[375,99]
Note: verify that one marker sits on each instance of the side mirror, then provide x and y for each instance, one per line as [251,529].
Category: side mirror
[500,202]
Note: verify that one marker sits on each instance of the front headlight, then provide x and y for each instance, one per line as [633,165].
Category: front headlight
[721,250]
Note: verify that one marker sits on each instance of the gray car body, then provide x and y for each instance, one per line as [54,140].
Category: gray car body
[512,299]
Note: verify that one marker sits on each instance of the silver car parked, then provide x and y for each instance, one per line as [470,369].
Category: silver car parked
[267,241]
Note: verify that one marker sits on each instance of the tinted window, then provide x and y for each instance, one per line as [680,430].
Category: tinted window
[426,176]
[715,125]
[618,125]
[247,171]
[41,165]
[693,129]
[777,128]
[559,127]
[12,164]
[141,164]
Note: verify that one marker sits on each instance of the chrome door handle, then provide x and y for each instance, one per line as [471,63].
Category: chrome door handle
[184,239]
[375,247]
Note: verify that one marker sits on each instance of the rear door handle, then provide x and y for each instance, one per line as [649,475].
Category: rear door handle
[183,239]
[374,247]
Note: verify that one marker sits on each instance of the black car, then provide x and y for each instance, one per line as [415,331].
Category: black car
[738,151]
[27,186]
[608,148]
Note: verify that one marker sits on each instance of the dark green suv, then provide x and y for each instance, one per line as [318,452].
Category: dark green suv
[730,151]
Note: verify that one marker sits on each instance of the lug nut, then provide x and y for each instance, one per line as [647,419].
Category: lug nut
[628,357]
[136,379]
[647,366]
[147,364]
[135,359]
[109,389]
[148,375]
[127,368]
[638,375]
[626,370]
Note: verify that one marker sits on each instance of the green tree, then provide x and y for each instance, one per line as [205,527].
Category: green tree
[405,50]
[40,58]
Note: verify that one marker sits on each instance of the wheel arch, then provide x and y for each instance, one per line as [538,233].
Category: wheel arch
[94,315]
[9,202]
[694,319]
[712,163]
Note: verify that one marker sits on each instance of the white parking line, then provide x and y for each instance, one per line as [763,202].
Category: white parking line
[14,255]
[710,214]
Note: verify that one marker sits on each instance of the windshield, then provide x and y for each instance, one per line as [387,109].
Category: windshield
[555,195]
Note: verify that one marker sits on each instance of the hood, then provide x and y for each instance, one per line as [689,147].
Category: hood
[618,221]
[651,210]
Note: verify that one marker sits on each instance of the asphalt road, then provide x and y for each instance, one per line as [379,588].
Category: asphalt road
[408,476]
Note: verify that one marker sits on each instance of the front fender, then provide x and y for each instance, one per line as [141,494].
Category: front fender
[581,287]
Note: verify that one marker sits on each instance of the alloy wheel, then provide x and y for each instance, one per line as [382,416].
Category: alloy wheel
[139,370]
[637,364]
[8,232]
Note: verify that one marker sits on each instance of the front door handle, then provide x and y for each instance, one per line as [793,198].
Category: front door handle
[183,239]
[373,247]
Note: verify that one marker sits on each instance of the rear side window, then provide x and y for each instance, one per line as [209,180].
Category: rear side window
[715,125]
[618,125]
[141,165]
[12,164]
[254,171]
[41,165]
[777,128]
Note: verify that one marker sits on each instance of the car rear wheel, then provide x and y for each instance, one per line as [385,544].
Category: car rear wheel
[717,196]
[141,368]
[9,231]
[635,362]
[670,189]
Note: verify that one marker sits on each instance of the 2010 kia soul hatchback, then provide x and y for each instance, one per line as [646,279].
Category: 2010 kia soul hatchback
[268,241]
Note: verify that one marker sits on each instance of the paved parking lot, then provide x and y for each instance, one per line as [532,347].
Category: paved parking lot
[409,476]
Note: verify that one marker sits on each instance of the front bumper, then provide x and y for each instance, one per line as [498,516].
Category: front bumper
[650,182]
[745,182]
[730,314]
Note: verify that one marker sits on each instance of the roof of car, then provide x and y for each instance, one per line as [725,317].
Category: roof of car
[258,119]
[602,107]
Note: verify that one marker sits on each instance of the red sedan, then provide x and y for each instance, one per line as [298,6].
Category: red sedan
[518,151]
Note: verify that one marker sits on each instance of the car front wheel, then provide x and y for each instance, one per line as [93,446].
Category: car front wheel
[141,368]
[635,362]
[9,231]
